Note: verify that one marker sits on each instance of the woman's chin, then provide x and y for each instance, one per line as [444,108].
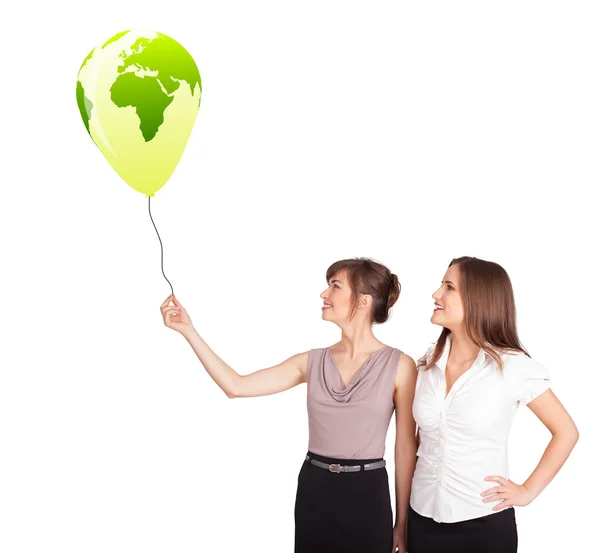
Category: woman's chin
[435,319]
[326,317]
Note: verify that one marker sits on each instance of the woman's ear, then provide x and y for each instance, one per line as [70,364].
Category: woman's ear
[364,301]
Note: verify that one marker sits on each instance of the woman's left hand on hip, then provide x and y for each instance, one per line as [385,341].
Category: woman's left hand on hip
[508,493]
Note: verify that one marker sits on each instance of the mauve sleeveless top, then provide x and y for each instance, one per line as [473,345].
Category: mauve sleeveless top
[351,422]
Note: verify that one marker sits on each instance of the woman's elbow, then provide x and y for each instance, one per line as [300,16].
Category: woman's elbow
[232,393]
[406,446]
[568,435]
[233,390]
[574,435]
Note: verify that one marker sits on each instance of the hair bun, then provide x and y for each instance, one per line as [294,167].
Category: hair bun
[394,291]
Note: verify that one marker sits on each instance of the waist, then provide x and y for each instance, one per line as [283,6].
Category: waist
[341,460]
[445,495]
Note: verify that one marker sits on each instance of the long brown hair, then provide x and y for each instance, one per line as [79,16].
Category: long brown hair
[490,313]
[367,276]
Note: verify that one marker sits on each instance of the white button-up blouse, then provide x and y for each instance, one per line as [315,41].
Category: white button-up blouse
[464,437]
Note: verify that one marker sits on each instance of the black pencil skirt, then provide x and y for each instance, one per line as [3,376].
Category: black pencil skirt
[346,512]
[493,533]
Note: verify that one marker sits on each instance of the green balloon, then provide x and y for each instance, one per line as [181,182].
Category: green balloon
[139,94]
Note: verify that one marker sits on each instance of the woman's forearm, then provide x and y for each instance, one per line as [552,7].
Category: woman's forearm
[405,459]
[554,457]
[225,377]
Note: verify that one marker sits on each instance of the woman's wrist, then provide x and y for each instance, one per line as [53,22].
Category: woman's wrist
[189,333]
[400,523]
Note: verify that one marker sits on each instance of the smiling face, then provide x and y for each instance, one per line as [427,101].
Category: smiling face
[449,310]
[337,299]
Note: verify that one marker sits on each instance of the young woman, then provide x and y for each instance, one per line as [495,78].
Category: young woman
[343,499]
[469,386]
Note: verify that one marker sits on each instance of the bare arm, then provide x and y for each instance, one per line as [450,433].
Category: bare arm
[405,453]
[264,382]
[272,380]
[565,435]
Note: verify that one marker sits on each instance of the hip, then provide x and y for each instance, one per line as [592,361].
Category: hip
[342,511]
[493,533]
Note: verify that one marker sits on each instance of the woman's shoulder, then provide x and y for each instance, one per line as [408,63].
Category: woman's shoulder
[406,371]
[526,377]
[319,348]
[514,359]
[519,365]
[406,363]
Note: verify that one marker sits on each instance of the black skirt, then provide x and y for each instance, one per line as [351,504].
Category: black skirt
[346,512]
[493,533]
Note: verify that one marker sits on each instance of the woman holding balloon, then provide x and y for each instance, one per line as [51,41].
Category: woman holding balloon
[343,498]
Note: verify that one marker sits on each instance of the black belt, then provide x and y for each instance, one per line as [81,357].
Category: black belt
[336,467]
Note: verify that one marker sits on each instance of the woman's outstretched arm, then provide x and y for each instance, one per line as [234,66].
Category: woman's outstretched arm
[272,380]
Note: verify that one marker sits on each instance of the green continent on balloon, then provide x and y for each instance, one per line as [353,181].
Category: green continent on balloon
[166,56]
[85,106]
[114,38]
[146,96]
[88,57]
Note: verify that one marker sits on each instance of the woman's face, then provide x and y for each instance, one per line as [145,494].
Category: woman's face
[449,311]
[337,299]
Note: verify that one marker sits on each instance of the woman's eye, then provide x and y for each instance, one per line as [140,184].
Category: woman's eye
[449,287]
[335,286]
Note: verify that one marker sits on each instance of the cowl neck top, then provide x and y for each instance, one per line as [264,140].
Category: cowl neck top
[350,422]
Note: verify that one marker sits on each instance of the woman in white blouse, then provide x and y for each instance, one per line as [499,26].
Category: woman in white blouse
[468,389]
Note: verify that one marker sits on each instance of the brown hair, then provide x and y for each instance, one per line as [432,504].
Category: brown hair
[490,313]
[369,277]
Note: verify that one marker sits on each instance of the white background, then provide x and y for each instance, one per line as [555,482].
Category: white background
[407,132]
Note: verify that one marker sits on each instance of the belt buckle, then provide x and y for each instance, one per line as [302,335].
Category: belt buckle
[335,465]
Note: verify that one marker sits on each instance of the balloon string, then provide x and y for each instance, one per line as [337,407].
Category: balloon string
[161,248]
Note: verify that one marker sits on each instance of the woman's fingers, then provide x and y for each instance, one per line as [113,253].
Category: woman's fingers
[166,302]
[500,479]
[169,314]
[502,505]
[496,497]
[164,307]
[492,490]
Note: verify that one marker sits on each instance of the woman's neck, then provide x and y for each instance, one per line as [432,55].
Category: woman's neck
[462,349]
[357,340]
